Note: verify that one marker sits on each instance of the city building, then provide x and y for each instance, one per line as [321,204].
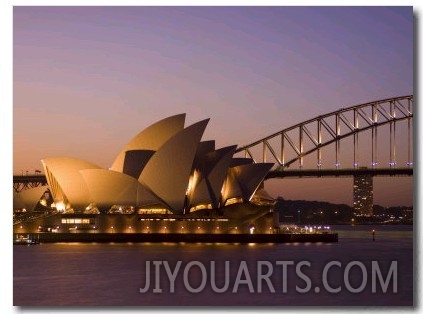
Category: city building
[363,194]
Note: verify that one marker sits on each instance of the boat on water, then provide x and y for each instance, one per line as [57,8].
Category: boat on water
[25,240]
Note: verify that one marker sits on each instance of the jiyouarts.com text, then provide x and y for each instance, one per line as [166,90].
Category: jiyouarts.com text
[265,276]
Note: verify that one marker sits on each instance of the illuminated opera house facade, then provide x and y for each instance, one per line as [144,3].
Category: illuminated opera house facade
[164,180]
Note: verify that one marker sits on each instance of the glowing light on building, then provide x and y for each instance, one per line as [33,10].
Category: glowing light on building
[60,206]
[192,183]
[363,194]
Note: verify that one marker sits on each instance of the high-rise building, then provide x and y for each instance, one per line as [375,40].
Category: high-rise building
[363,194]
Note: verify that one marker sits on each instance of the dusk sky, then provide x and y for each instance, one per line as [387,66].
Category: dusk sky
[88,79]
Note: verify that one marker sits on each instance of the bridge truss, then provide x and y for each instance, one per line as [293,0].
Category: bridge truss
[292,144]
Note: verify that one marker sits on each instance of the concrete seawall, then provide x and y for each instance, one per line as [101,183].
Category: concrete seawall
[182,237]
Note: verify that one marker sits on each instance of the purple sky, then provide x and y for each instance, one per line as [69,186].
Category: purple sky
[88,79]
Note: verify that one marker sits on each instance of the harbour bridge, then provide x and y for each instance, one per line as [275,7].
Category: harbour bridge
[376,138]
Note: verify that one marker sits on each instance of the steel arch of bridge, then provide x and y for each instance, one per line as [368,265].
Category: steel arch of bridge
[352,120]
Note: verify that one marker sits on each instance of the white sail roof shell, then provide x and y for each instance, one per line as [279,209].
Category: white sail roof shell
[108,188]
[239,161]
[165,165]
[168,171]
[151,138]
[65,181]
[244,180]
[214,171]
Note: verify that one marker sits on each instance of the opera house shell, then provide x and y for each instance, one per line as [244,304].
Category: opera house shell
[166,168]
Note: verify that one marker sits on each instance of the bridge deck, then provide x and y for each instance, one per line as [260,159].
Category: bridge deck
[40,178]
[299,173]
[313,173]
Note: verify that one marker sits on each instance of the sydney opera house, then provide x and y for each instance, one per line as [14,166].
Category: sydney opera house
[166,179]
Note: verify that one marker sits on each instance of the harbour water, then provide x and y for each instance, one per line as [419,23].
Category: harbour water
[90,274]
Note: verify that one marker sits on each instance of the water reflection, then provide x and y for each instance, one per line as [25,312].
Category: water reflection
[111,274]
